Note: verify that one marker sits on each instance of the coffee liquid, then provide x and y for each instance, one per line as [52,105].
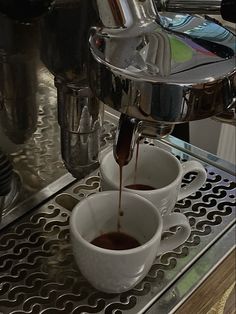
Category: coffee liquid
[116,241]
[141,187]
[122,153]
[136,160]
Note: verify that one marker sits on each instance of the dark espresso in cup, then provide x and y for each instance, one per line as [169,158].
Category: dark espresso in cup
[116,241]
[141,187]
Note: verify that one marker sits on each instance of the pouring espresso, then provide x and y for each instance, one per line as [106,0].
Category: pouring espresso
[159,69]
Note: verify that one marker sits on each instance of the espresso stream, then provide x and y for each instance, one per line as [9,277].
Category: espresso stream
[118,240]
[135,185]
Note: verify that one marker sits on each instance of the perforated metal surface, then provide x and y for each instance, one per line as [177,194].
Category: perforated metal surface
[37,159]
[38,162]
[38,273]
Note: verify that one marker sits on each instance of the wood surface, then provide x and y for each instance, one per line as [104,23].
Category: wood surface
[216,295]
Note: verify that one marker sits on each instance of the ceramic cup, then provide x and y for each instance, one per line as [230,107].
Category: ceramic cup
[156,168]
[116,271]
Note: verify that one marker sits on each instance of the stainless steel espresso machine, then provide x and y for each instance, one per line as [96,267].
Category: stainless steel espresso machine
[71,71]
[158,63]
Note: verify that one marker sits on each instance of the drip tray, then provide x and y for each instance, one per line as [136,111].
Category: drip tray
[38,273]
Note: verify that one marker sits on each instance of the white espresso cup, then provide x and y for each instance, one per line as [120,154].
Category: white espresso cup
[116,271]
[156,168]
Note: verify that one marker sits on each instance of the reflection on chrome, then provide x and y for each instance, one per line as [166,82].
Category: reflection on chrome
[162,67]
[159,67]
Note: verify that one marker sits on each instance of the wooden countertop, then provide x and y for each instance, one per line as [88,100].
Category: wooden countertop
[217,294]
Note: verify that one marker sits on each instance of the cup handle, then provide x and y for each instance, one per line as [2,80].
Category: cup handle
[199,180]
[181,235]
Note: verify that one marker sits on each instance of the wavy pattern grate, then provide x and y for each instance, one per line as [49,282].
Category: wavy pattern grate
[38,273]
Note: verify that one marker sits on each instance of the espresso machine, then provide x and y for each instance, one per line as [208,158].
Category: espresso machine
[159,63]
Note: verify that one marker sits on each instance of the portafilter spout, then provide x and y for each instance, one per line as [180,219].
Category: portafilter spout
[126,136]
[130,130]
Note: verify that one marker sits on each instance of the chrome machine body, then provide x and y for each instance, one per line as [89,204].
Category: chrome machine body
[162,68]
[157,68]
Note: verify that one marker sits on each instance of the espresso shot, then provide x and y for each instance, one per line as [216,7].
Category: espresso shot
[140,187]
[116,241]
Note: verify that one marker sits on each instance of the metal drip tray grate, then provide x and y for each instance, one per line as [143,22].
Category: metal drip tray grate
[38,273]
